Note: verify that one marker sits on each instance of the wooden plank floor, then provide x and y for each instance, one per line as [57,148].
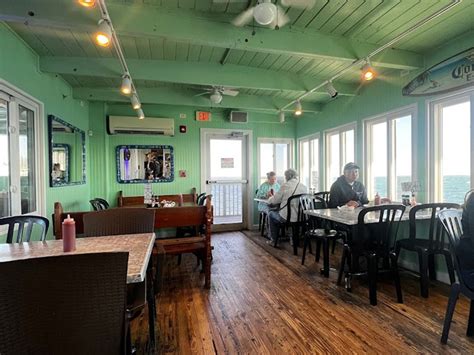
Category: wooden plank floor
[263,301]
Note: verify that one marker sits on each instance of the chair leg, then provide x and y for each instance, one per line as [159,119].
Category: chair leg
[264,224]
[396,277]
[372,277]
[450,267]
[334,241]
[318,250]
[424,280]
[326,257]
[343,264]
[260,218]
[295,238]
[431,267]
[306,241]
[453,297]
[470,322]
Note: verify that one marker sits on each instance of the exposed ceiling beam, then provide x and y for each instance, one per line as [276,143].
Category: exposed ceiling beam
[190,73]
[167,96]
[154,22]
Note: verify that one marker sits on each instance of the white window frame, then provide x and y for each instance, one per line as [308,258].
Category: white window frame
[308,139]
[433,137]
[16,97]
[289,141]
[326,153]
[389,118]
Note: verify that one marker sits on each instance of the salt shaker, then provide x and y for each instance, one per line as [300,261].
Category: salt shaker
[69,234]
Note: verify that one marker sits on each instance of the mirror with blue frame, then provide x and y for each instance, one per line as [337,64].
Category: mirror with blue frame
[144,163]
[67,153]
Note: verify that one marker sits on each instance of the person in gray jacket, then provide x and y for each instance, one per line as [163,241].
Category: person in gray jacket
[346,190]
[291,187]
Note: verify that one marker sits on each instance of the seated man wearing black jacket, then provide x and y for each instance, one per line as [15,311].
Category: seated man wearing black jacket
[346,190]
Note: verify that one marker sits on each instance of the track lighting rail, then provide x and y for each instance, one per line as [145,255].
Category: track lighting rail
[360,62]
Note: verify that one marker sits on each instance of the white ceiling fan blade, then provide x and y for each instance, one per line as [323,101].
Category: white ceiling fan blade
[244,18]
[227,1]
[202,93]
[301,4]
[230,92]
[281,19]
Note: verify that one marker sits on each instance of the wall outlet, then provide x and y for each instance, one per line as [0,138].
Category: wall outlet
[182,115]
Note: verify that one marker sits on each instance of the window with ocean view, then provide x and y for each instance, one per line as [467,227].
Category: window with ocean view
[309,162]
[340,150]
[388,150]
[452,168]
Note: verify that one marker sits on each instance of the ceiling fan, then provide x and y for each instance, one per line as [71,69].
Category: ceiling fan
[266,13]
[217,92]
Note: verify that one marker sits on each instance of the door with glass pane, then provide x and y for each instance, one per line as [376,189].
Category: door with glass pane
[226,178]
[18,161]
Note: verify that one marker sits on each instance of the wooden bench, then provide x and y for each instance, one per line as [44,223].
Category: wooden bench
[124,201]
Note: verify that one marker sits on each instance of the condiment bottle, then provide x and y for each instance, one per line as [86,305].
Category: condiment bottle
[377,199]
[271,192]
[413,200]
[69,234]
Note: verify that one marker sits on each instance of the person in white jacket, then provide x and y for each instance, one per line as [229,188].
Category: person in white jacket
[291,187]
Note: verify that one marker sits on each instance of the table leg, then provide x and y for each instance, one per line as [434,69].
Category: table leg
[150,295]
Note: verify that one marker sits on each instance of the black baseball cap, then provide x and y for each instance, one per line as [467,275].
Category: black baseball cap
[351,166]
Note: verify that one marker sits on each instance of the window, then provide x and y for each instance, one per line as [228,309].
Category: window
[340,150]
[309,162]
[274,155]
[388,150]
[20,159]
[451,121]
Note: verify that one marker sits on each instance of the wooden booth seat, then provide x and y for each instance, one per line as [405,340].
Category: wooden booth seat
[124,201]
[199,242]
[59,216]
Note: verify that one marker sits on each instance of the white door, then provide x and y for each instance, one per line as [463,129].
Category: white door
[225,166]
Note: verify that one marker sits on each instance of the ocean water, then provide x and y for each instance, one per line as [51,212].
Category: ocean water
[454,187]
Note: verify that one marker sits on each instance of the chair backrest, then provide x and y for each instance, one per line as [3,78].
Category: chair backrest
[436,231]
[138,200]
[311,202]
[99,204]
[201,199]
[324,195]
[24,228]
[377,227]
[119,221]
[292,201]
[68,304]
[451,220]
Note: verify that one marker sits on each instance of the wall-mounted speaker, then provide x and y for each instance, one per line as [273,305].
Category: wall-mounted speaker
[238,117]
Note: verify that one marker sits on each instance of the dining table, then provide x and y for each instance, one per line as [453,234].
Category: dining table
[138,246]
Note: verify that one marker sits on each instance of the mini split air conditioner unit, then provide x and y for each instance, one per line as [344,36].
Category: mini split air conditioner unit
[132,125]
[238,117]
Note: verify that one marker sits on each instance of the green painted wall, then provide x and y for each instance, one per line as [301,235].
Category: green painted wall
[186,146]
[19,67]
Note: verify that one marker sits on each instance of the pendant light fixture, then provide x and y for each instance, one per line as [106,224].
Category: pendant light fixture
[126,87]
[298,108]
[331,90]
[135,102]
[368,73]
[281,116]
[103,36]
[87,3]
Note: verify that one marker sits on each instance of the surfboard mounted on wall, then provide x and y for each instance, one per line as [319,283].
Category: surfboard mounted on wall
[451,74]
